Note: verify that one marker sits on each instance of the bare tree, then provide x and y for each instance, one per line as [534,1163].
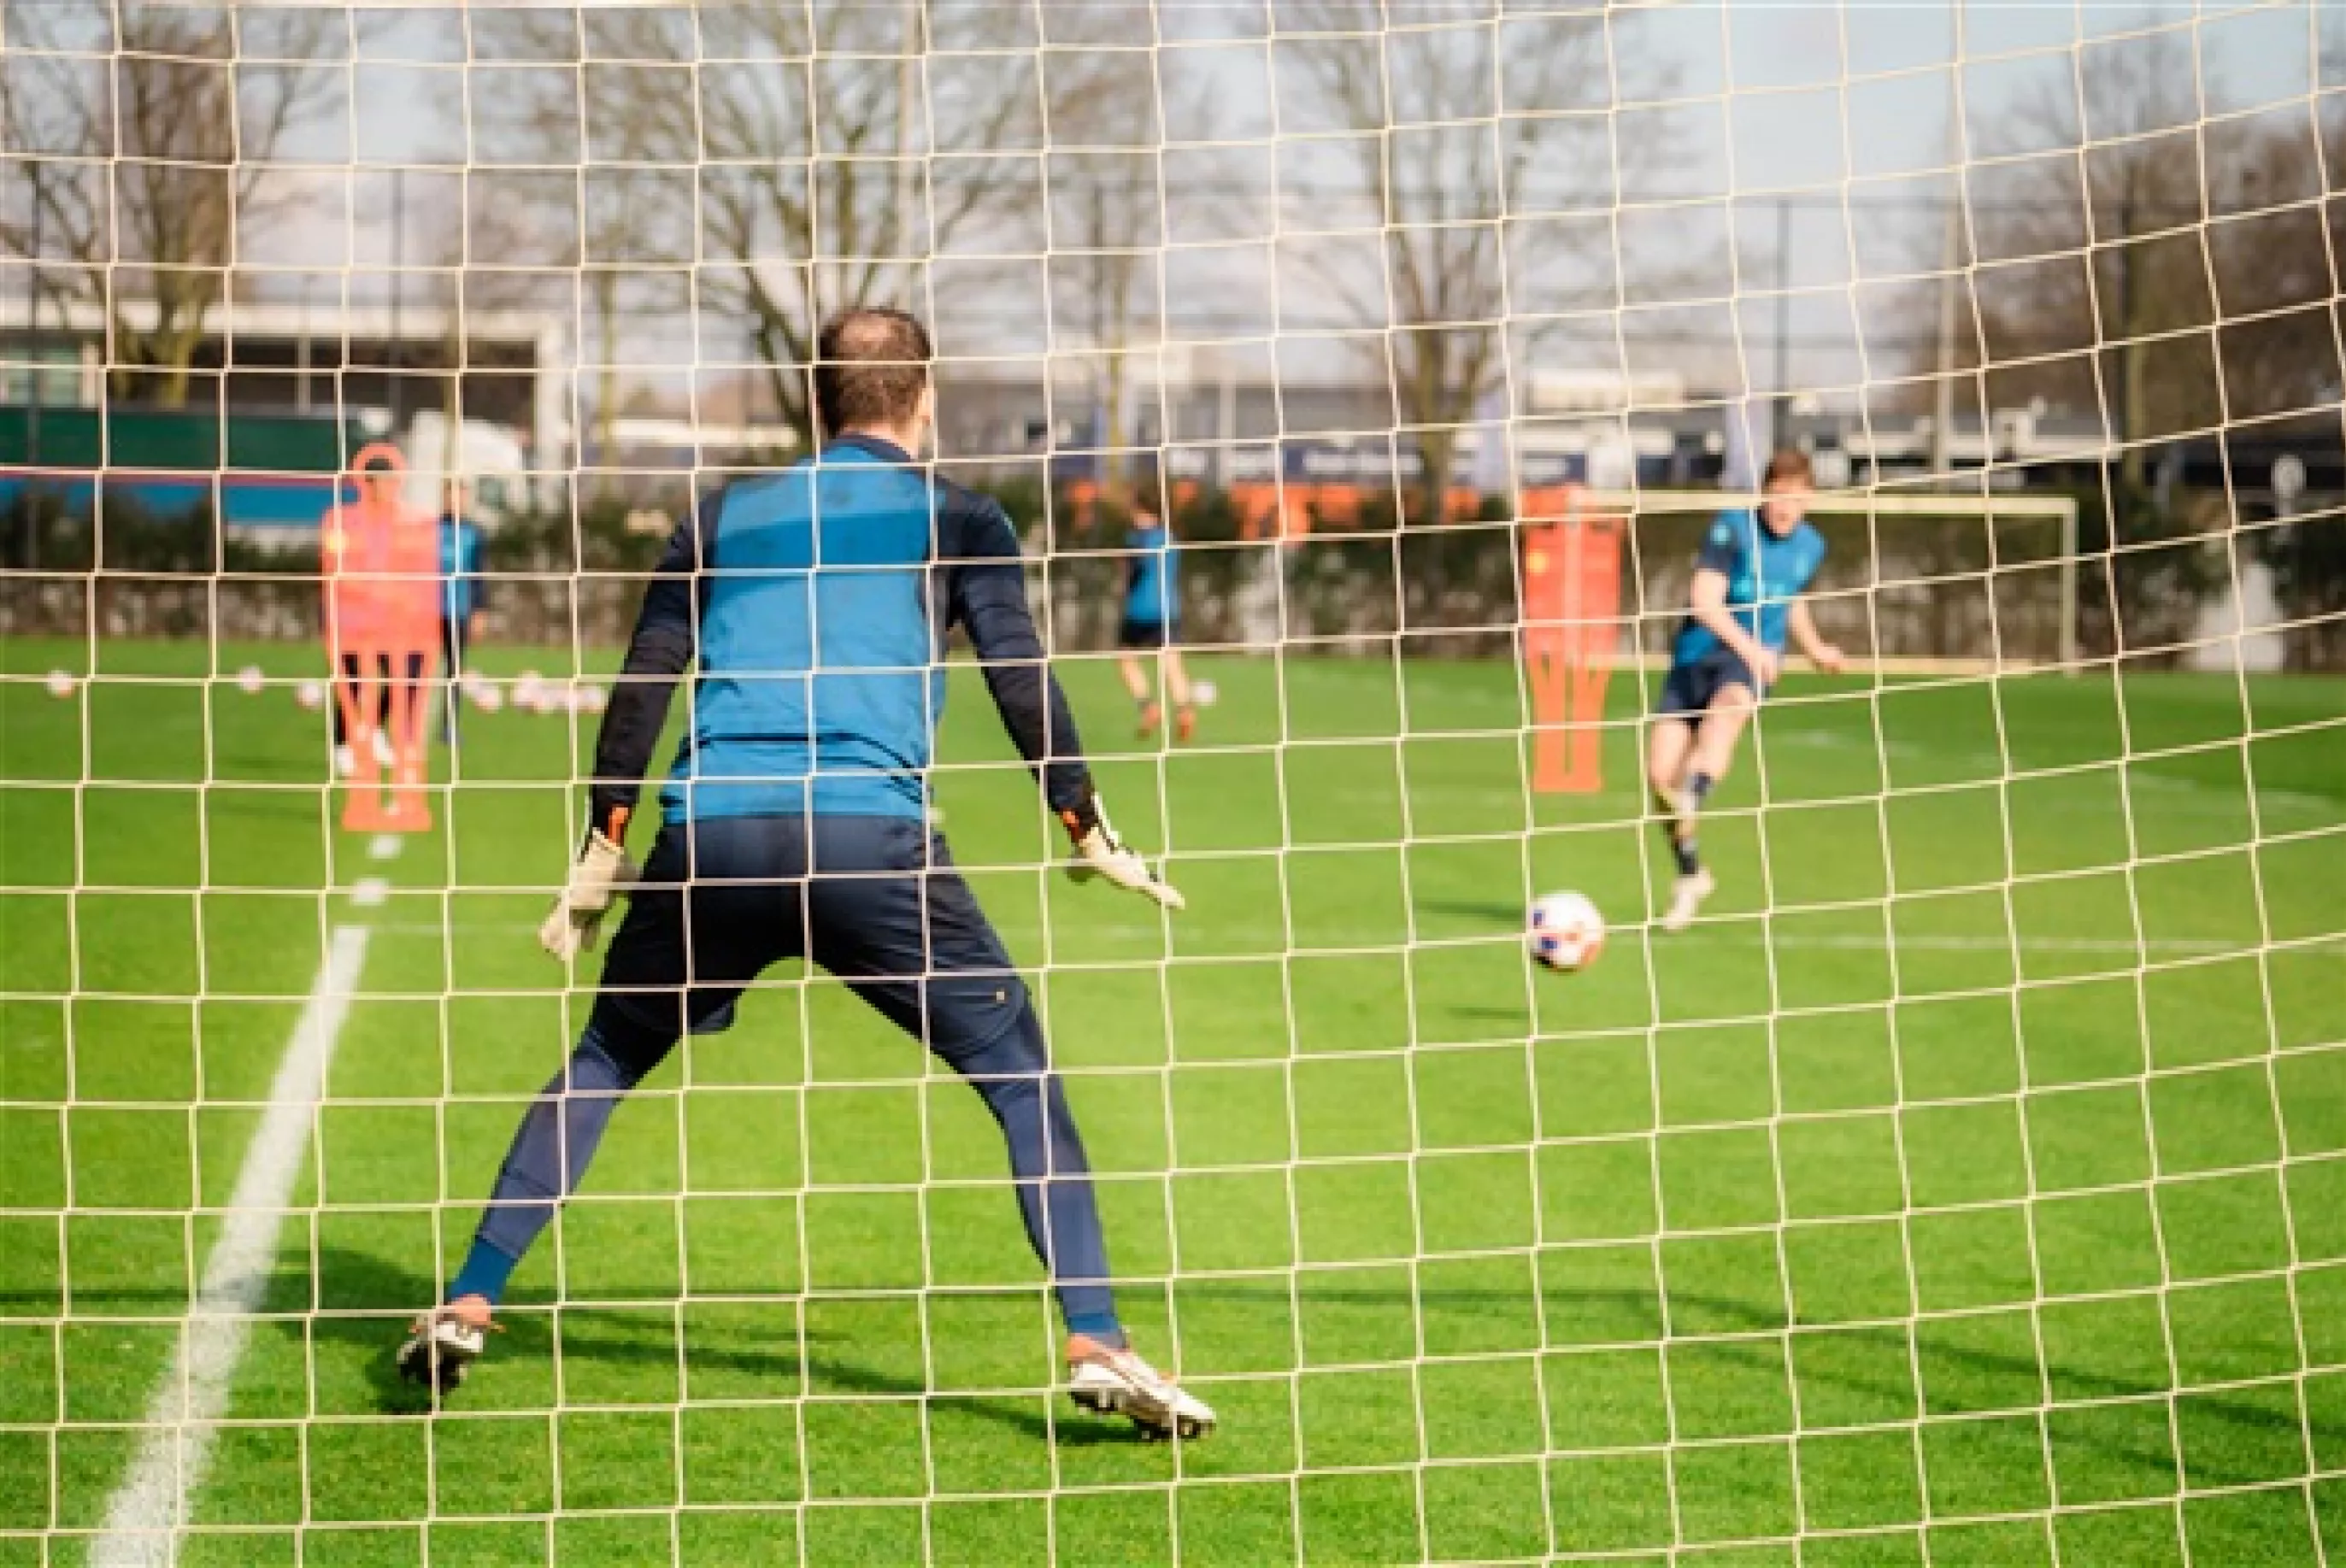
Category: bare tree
[2129,256]
[1106,227]
[138,151]
[779,162]
[1456,122]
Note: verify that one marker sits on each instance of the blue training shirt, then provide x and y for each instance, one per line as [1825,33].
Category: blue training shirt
[1151,594]
[460,568]
[816,601]
[1764,574]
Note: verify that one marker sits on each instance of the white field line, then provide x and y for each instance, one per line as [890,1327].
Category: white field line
[145,1513]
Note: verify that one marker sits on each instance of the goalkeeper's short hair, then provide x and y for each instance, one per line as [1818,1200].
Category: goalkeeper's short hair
[872,364]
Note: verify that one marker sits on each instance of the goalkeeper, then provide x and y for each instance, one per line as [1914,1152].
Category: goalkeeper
[816,602]
[1754,567]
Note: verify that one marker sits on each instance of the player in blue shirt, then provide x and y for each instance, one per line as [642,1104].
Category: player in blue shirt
[1152,623]
[1754,567]
[816,602]
[462,550]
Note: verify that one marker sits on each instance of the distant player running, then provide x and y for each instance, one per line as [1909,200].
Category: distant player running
[1152,625]
[1754,565]
[816,601]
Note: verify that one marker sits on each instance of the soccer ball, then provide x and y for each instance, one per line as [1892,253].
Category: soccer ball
[1566,932]
[61,684]
[249,680]
[1204,693]
[487,696]
[310,695]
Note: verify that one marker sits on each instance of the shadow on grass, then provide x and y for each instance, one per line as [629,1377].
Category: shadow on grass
[390,1291]
[363,1276]
[1750,1316]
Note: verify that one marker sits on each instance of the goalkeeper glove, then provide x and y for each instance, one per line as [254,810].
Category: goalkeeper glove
[598,876]
[1100,853]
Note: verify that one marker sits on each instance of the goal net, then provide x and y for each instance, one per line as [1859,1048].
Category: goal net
[1963,1182]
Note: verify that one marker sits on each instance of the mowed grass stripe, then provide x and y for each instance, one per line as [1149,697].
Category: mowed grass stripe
[1628,1263]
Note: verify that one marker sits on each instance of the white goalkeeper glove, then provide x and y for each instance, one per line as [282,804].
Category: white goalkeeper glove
[1100,853]
[597,877]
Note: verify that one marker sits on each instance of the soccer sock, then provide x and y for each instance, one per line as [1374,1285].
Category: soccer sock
[550,1153]
[1687,849]
[1687,852]
[1053,1175]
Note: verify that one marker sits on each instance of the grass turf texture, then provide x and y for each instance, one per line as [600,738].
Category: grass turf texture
[1985,1200]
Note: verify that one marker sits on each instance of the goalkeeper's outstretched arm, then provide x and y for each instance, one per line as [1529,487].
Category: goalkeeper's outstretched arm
[666,641]
[658,654]
[986,584]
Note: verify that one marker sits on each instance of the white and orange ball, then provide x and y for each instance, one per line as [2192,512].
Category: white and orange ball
[1565,932]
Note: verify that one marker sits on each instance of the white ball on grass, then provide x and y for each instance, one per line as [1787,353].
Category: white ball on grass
[250,681]
[1565,931]
[488,696]
[1204,693]
[310,694]
[62,683]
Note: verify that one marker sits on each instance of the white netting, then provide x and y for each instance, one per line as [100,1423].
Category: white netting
[1962,1188]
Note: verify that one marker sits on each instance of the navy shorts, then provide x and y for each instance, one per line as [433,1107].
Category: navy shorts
[1143,634]
[1689,688]
[876,901]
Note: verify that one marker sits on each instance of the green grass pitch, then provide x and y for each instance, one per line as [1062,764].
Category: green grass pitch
[1972,1190]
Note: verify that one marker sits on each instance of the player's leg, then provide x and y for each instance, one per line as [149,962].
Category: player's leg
[1177,687]
[1723,719]
[1139,682]
[380,709]
[452,687]
[346,761]
[681,958]
[369,683]
[918,948]
[1667,746]
[1716,738]
[1686,693]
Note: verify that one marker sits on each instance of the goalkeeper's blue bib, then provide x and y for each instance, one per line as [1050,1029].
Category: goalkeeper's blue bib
[821,680]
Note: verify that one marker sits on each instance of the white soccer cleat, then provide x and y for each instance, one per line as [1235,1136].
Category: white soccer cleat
[440,1349]
[346,762]
[1119,1382]
[1686,900]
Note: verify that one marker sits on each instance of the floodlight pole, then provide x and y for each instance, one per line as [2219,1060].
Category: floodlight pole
[1943,387]
[394,356]
[1782,418]
[33,407]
